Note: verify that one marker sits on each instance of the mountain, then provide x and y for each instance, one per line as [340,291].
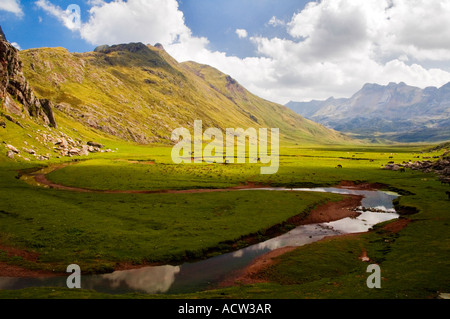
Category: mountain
[396,112]
[140,93]
[133,92]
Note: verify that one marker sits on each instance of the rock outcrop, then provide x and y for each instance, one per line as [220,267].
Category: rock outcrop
[441,167]
[15,91]
[2,35]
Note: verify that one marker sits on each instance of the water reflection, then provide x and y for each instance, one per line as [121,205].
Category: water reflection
[151,280]
[192,277]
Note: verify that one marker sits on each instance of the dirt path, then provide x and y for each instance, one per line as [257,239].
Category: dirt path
[41,179]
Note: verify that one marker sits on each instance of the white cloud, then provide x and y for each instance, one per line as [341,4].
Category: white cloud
[135,21]
[70,17]
[275,22]
[96,2]
[336,46]
[12,6]
[241,33]
[16,45]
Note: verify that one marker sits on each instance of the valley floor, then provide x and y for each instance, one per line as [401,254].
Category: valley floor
[123,220]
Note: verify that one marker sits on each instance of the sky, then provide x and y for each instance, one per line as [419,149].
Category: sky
[281,50]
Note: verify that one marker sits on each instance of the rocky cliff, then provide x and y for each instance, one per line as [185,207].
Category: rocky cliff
[16,95]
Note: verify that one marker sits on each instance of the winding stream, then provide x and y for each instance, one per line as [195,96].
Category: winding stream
[193,277]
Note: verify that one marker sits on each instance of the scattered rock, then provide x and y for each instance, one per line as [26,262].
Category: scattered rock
[62,143]
[94,144]
[440,167]
[29,151]
[74,152]
[92,149]
[84,150]
[12,148]
[10,154]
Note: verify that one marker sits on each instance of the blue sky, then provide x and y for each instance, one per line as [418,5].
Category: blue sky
[281,50]
[216,20]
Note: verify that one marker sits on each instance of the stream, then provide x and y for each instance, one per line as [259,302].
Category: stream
[207,274]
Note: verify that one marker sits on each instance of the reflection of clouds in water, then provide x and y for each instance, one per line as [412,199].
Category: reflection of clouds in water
[6,283]
[264,246]
[362,223]
[299,236]
[319,190]
[151,279]
[238,254]
[385,209]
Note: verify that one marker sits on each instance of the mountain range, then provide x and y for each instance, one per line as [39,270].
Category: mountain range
[395,112]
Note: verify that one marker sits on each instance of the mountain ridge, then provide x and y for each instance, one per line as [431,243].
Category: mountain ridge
[395,111]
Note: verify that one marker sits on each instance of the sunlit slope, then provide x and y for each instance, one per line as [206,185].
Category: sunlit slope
[293,127]
[140,93]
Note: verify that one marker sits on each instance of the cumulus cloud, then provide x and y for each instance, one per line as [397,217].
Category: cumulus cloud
[338,45]
[135,21]
[241,33]
[12,6]
[70,17]
[334,46]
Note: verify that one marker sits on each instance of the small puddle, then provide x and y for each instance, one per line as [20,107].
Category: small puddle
[206,274]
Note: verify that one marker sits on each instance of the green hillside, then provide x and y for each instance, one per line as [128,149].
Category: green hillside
[139,93]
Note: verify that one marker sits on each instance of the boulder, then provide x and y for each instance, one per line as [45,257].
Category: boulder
[29,151]
[62,143]
[94,144]
[92,149]
[74,152]
[12,148]
[10,154]
[84,150]
[47,107]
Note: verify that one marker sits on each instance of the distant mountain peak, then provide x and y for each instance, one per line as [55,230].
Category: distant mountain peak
[400,111]
[445,87]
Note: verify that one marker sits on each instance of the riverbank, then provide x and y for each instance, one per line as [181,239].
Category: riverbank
[327,212]
[331,211]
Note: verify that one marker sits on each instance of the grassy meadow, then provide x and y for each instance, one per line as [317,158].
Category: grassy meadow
[100,231]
